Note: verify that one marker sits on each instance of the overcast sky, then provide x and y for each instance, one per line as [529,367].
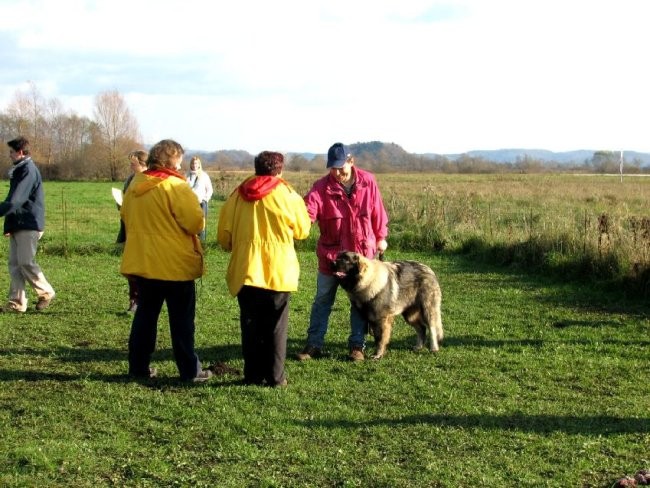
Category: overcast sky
[298,75]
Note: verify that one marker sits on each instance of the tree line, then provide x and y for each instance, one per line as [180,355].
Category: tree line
[67,146]
[381,157]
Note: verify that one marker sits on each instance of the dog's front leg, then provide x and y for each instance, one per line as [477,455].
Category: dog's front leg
[383,329]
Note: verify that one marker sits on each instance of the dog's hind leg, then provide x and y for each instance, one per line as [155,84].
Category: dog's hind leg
[383,329]
[433,340]
[415,320]
[432,320]
[421,332]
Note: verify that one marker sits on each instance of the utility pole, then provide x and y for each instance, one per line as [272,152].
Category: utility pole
[620,167]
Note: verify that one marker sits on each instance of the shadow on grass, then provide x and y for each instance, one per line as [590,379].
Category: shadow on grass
[335,349]
[160,382]
[571,293]
[541,424]
[83,354]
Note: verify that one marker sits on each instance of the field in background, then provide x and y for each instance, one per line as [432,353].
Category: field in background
[584,227]
[496,207]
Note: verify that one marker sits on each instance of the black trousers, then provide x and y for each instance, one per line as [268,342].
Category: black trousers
[180,297]
[264,320]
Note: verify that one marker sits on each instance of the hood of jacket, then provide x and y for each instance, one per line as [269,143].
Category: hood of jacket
[162,219]
[155,178]
[257,187]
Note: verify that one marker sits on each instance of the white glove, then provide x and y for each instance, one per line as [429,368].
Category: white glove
[382,245]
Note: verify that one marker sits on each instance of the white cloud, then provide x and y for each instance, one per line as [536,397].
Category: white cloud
[432,76]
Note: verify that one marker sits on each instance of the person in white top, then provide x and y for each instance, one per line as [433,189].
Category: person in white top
[201,185]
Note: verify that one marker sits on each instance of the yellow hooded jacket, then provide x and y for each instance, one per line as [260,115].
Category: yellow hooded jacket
[259,223]
[162,219]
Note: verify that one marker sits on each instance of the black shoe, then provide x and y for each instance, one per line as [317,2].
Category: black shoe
[153,372]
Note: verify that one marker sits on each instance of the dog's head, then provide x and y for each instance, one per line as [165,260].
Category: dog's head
[348,267]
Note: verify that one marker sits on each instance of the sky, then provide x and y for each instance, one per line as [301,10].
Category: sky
[298,75]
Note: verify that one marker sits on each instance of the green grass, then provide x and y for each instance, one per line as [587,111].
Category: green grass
[537,383]
[547,223]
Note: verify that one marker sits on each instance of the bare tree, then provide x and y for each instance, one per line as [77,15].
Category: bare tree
[31,116]
[61,143]
[36,106]
[25,111]
[70,138]
[118,130]
[52,120]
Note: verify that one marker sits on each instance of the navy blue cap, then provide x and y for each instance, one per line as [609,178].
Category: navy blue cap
[337,156]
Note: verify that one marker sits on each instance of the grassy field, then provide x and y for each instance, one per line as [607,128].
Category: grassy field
[593,228]
[539,382]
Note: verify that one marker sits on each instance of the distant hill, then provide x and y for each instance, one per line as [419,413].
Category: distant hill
[512,155]
[378,151]
[388,155]
[383,151]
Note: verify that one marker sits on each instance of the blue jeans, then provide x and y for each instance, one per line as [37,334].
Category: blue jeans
[326,286]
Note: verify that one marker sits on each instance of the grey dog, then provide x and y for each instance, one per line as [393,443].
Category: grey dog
[381,290]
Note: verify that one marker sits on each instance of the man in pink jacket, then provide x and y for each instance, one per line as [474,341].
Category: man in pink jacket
[351,216]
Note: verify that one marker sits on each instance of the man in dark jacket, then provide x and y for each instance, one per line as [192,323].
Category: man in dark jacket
[24,213]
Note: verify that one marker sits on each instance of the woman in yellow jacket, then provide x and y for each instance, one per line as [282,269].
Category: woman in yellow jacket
[259,223]
[162,219]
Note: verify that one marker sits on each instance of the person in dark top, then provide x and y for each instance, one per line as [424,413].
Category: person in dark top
[24,213]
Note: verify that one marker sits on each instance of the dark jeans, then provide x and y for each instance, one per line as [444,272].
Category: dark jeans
[264,319]
[180,297]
